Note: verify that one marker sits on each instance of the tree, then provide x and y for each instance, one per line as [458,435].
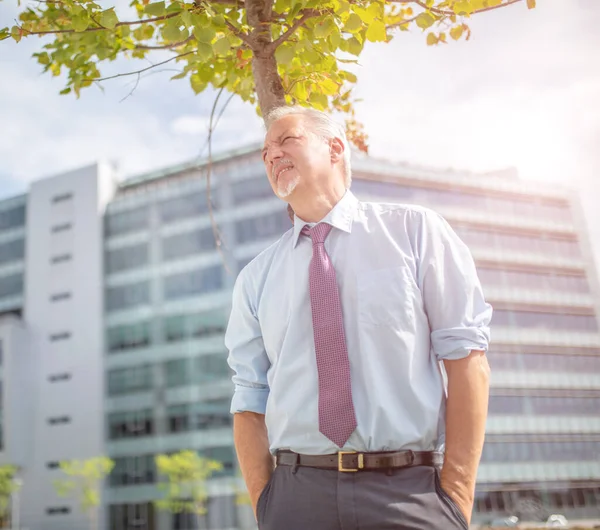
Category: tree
[268,52]
[186,474]
[8,486]
[85,480]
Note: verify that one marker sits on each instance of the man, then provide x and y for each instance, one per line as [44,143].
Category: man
[336,336]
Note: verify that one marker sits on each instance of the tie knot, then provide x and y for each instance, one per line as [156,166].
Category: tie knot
[317,233]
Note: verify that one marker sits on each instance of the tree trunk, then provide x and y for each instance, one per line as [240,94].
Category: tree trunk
[267,81]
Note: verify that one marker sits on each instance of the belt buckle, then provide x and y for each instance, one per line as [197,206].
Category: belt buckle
[361,461]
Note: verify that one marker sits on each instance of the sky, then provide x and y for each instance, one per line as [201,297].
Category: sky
[523,93]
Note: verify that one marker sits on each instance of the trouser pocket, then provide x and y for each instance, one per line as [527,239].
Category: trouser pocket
[449,502]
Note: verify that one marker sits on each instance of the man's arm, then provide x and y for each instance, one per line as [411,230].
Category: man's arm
[252,447]
[466,413]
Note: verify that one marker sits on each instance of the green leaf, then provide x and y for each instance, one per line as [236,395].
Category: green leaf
[171,31]
[376,32]
[15,33]
[323,29]
[148,31]
[354,46]
[222,46]
[186,18]
[425,20]
[155,9]
[205,34]
[81,23]
[4,33]
[285,54]
[353,24]
[205,51]
[530,4]
[109,19]
[456,32]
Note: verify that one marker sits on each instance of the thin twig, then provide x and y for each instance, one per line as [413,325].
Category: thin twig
[144,69]
[445,12]
[137,82]
[308,13]
[26,33]
[215,228]
[239,33]
[402,23]
[165,46]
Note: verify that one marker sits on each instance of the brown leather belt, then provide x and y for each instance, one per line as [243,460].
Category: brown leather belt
[351,461]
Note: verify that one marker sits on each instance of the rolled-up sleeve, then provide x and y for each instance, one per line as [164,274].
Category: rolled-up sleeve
[459,317]
[247,357]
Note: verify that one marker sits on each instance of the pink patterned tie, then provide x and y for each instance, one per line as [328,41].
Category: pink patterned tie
[337,420]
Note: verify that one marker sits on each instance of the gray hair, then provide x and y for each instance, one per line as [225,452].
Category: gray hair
[323,126]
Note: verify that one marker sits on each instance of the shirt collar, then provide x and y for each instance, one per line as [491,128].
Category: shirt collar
[341,216]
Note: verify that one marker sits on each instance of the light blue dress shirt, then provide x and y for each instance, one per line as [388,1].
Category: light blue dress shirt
[410,298]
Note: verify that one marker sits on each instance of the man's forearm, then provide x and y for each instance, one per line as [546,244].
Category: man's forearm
[466,413]
[252,447]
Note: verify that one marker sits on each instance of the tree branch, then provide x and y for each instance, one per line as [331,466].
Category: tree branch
[239,33]
[306,14]
[26,33]
[143,69]
[445,12]
[402,23]
[166,46]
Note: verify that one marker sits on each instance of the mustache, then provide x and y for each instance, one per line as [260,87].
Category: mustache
[281,163]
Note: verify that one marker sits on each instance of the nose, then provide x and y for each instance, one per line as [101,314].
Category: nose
[274,153]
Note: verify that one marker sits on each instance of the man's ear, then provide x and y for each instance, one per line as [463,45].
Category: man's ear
[337,150]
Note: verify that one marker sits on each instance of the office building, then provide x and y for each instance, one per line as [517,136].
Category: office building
[114,301]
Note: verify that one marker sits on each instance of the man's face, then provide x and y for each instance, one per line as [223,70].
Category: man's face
[293,155]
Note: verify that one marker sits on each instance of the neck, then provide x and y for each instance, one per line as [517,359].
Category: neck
[312,207]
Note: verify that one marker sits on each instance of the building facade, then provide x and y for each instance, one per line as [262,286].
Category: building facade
[114,301]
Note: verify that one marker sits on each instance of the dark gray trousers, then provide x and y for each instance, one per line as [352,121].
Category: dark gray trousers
[317,499]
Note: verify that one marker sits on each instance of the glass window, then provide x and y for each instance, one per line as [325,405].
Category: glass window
[194,204]
[12,251]
[188,243]
[532,319]
[62,227]
[64,335]
[127,221]
[11,285]
[194,325]
[127,296]
[62,197]
[130,424]
[387,191]
[251,190]
[547,405]
[192,283]
[129,380]
[58,297]
[12,218]
[178,418]
[132,516]
[267,226]
[542,362]
[129,336]
[525,280]
[563,451]
[179,372]
[126,258]
[129,470]
[212,366]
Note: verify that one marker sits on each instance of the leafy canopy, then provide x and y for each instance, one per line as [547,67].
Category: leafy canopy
[213,42]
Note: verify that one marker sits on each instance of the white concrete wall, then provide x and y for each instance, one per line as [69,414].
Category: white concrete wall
[81,315]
